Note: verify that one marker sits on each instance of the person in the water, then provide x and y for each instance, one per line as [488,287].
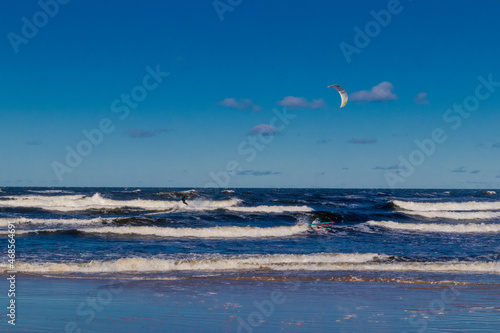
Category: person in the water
[184,200]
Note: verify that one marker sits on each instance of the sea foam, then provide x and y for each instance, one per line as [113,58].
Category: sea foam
[22,220]
[281,262]
[480,215]
[214,232]
[438,227]
[447,206]
[69,203]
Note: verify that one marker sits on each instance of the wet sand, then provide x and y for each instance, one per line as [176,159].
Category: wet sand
[242,304]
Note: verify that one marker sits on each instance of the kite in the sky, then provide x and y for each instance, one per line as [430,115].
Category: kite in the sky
[342,93]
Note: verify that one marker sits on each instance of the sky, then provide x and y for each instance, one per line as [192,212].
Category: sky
[233,93]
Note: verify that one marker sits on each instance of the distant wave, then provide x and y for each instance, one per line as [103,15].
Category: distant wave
[437,227]
[270,209]
[280,262]
[481,215]
[178,194]
[129,191]
[48,191]
[447,206]
[215,232]
[69,203]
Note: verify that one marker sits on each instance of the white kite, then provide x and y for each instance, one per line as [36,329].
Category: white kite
[342,93]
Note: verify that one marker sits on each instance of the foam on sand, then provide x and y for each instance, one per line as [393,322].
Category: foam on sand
[438,227]
[447,206]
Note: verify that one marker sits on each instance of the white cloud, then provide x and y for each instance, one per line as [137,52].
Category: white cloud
[263,129]
[421,98]
[240,104]
[382,92]
[293,102]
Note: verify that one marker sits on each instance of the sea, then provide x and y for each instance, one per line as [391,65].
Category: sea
[412,237]
[149,231]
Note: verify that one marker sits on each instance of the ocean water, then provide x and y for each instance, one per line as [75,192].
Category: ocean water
[410,236]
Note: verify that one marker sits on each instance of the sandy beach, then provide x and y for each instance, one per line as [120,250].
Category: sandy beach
[49,304]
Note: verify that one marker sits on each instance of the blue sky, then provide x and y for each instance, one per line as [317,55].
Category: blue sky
[210,121]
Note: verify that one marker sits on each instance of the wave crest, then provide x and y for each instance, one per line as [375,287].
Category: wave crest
[211,263]
[446,206]
[71,203]
[280,262]
[438,227]
[481,215]
[214,232]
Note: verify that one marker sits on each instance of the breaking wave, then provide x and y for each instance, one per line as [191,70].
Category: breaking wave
[48,191]
[481,215]
[437,227]
[280,262]
[23,220]
[215,232]
[447,206]
[71,203]
[271,209]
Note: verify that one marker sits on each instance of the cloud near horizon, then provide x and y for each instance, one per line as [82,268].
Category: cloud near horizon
[382,92]
[460,170]
[323,141]
[421,98]
[392,167]
[362,141]
[263,129]
[257,173]
[141,133]
[293,102]
[240,104]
